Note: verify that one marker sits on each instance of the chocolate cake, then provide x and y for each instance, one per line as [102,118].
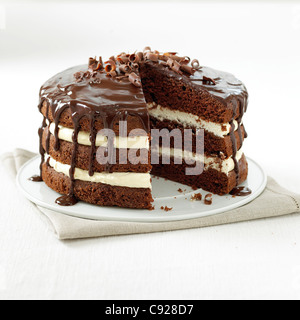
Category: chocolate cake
[96,140]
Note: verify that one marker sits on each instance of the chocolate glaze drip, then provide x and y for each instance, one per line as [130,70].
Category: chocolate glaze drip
[241,191]
[102,98]
[36,178]
[66,200]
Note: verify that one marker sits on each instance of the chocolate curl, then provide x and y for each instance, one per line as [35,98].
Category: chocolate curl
[112,74]
[207,80]
[135,65]
[146,49]
[139,57]
[87,75]
[163,58]
[98,65]
[151,56]
[93,63]
[187,69]
[185,60]
[110,66]
[170,63]
[134,79]
[173,56]
[78,76]
[176,67]
[195,64]
[123,59]
[112,58]
[168,54]
[132,57]
[208,199]
[125,68]
[122,77]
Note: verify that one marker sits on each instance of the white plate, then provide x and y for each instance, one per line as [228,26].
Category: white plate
[164,193]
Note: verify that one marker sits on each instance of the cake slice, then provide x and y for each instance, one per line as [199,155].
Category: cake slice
[183,95]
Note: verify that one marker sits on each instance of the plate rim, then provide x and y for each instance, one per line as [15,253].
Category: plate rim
[145,219]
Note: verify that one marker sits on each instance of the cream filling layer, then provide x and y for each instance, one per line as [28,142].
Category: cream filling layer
[121,179]
[190,120]
[135,142]
[224,166]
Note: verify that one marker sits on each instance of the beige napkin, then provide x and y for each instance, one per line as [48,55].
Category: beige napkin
[274,201]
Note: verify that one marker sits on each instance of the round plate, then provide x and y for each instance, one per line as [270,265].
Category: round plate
[165,193]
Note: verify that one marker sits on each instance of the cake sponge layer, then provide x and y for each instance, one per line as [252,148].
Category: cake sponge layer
[98,193]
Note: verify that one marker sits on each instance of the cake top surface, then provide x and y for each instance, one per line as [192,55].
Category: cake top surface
[92,91]
[114,88]
[222,85]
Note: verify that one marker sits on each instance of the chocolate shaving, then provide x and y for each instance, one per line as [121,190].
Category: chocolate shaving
[176,67]
[128,65]
[87,75]
[166,208]
[93,63]
[112,74]
[123,59]
[151,56]
[168,54]
[122,77]
[134,79]
[185,60]
[135,66]
[110,66]
[125,68]
[195,64]
[209,81]
[176,58]
[112,58]
[78,76]
[170,63]
[187,69]
[208,199]
[132,57]
[139,57]
[163,57]
[196,197]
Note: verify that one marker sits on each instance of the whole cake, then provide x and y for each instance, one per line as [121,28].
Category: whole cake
[108,126]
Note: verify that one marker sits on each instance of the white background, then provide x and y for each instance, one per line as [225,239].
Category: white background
[260,43]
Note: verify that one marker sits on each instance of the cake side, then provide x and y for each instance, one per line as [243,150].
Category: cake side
[98,193]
